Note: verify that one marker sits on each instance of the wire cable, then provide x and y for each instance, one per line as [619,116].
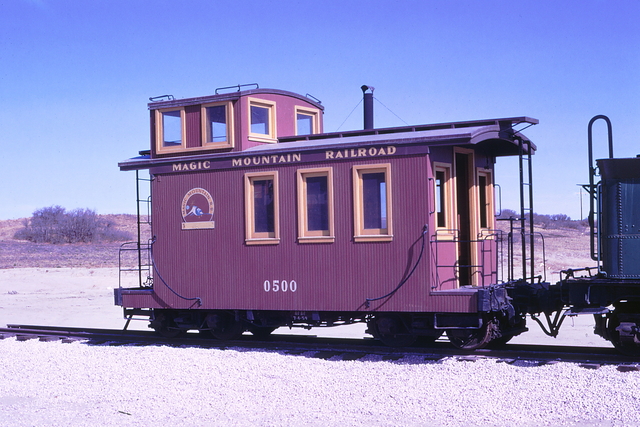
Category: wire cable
[354,109]
[155,267]
[400,118]
[368,301]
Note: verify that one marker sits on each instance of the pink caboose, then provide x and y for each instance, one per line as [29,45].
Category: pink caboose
[261,220]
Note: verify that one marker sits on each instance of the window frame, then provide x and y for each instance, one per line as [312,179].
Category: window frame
[229,142]
[253,237]
[304,234]
[159,116]
[362,234]
[272,136]
[314,113]
[449,206]
[489,208]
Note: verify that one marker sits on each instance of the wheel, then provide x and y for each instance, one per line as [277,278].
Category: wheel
[427,340]
[623,335]
[469,339]
[224,326]
[391,331]
[506,333]
[164,325]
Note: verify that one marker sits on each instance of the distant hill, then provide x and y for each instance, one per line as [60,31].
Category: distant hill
[21,254]
[564,248]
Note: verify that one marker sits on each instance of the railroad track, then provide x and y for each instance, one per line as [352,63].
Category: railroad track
[334,348]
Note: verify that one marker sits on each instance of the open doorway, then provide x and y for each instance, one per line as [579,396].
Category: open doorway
[464,213]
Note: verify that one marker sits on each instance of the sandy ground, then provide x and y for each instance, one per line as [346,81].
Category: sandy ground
[84,298]
[58,384]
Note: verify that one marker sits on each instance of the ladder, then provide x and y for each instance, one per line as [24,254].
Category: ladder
[525,221]
[522,226]
[136,256]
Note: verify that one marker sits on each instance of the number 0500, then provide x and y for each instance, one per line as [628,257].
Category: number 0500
[280,286]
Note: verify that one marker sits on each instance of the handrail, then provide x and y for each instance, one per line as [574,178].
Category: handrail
[237,86]
[592,186]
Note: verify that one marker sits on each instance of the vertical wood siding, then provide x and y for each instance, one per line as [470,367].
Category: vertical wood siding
[217,266]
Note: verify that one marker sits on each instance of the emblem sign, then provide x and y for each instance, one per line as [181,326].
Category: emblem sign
[197,210]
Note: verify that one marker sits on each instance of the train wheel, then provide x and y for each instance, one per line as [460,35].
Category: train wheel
[224,326]
[469,339]
[166,327]
[391,331]
[427,340]
[624,335]
[505,334]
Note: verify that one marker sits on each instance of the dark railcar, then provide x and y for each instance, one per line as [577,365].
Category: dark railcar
[252,230]
[611,292]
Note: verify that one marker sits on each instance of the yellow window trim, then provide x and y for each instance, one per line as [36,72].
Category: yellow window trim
[447,231]
[271,106]
[251,236]
[160,148]
[229,143]
[362,234]
[489,200]
[315,115]
[304,234]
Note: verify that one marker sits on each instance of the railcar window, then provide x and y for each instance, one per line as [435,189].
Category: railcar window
[170,130]
[485,198]
[304,124]
[262,208]
[217,125]
[315,205]
[262,120]
[259,120]
[372,204]
[442,198]
[307,121]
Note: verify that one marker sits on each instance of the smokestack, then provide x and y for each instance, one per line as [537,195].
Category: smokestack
[367,91]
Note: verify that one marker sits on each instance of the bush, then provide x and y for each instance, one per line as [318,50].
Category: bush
[55,225]
[548,221]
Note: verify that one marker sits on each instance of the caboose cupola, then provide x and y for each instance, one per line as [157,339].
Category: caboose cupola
[230,121]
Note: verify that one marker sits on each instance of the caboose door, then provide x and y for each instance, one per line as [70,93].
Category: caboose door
[465,215]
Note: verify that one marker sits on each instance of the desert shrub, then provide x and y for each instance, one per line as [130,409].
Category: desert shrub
[55,225]
[555,221]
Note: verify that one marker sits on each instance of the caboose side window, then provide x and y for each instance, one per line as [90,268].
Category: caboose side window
[315,205]
[307,121]
[262,208]
[485,198]
[372,204]
[442,195]
[217,125]
[440,202]
[304,124]
[262,120]
[170,129]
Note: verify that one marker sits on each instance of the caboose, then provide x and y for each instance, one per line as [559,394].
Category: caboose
[259,220]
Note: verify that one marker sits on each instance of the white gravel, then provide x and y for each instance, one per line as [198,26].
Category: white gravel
[53,383]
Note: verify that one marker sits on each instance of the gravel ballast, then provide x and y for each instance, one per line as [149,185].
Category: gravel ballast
[77,384]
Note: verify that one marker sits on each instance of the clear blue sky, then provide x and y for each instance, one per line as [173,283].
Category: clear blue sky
[75,78]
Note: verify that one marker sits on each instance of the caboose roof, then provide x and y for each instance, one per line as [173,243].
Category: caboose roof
[170,101]
[458,133]
[496,136]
